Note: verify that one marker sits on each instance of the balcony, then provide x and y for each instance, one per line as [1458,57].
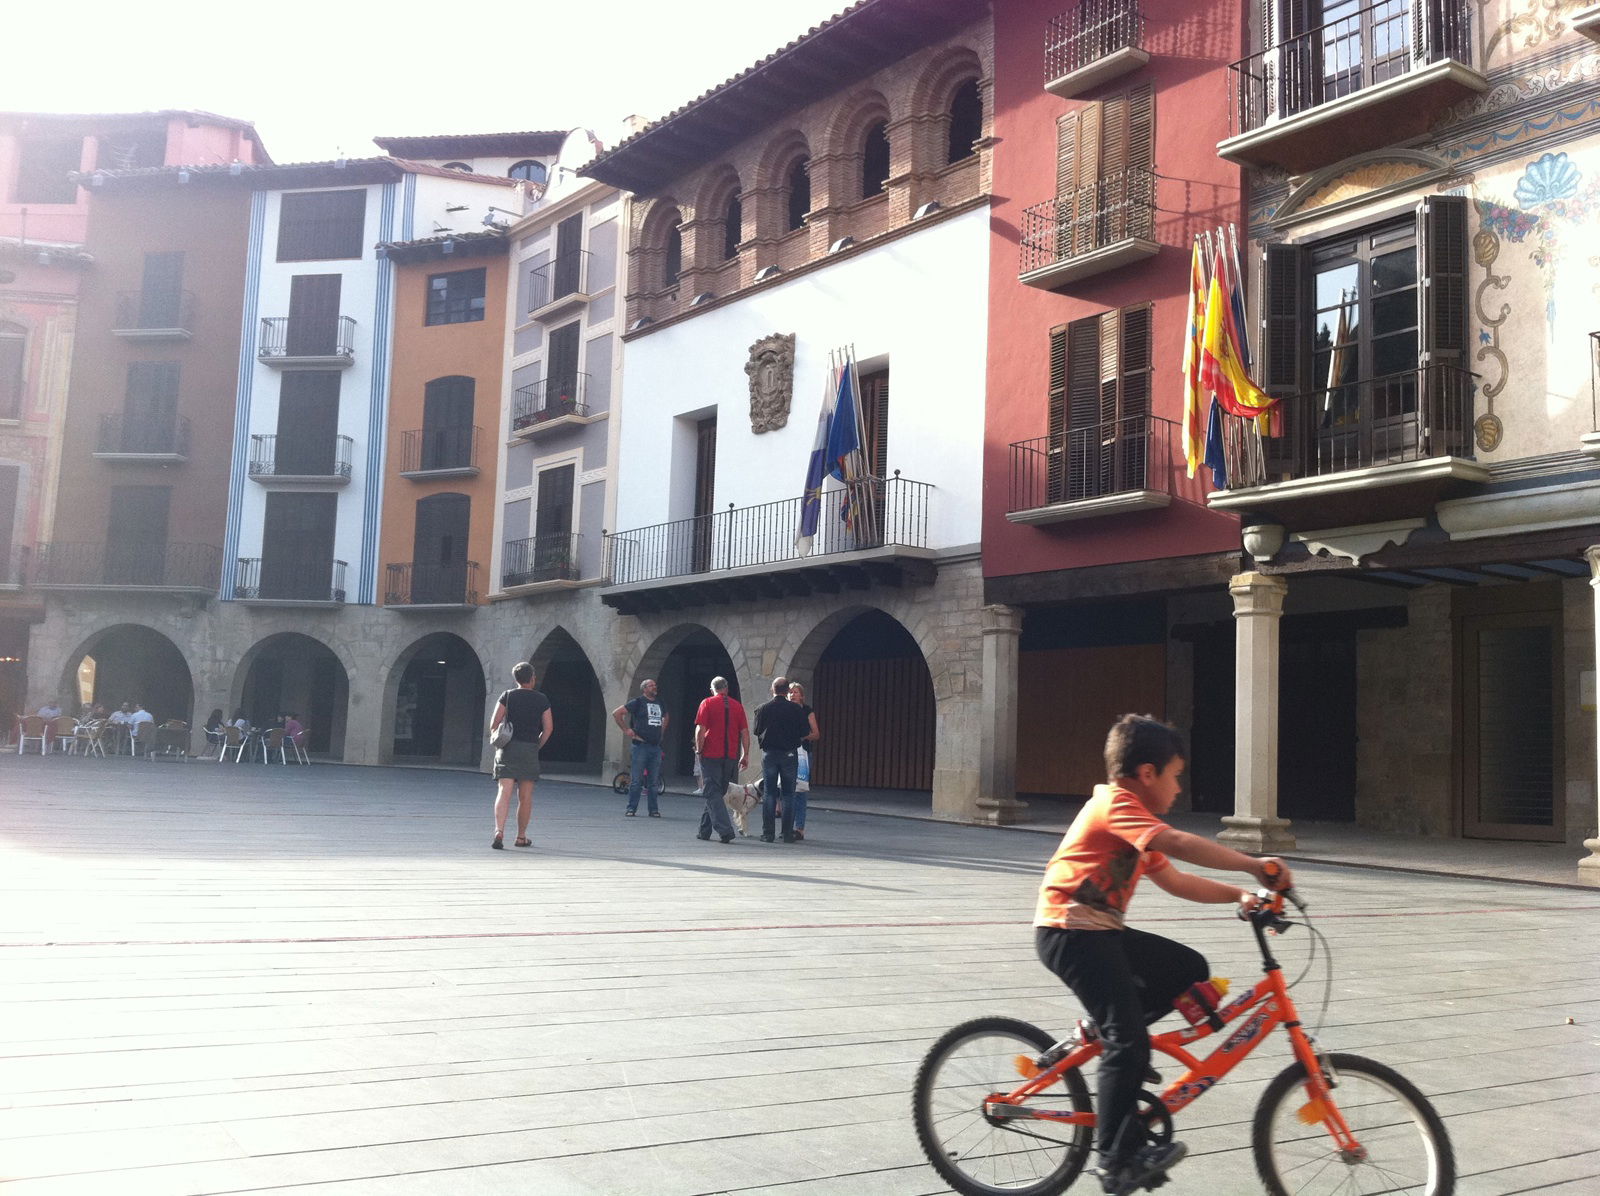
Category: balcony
[1111,468]
[289,582]
[540,561]
[449,452]
[301,462]
[1360,452]
[560,287]
[158,440]
[413,586]
[1100,228]
[307,342]
[551,403]
[750,553]
[1378,76]
[1091,44]
[154,316]
[144,565]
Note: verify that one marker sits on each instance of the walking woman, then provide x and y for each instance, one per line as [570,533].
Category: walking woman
[528,712]
[797,694]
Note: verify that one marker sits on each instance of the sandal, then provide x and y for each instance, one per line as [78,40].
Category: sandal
[497,845]
[523,843]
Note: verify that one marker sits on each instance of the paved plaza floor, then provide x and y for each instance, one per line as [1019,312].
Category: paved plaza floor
[257,979]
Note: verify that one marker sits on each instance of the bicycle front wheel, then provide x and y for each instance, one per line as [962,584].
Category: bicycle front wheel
[1404,1146]
[975,1154]
[620,782]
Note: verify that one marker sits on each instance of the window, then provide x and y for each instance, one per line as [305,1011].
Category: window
[561,370]
[528,171]
[569,271]
[13,373]
[455,298]
[42,169]
[672,262]
[875,160]
[447,432]
[1332,48]
[149,408]
[1099,404]
[966,121]
[798,186]
[161,291]
[462,167]
[732,227]
[1366,343]
[439,565]
[136,535]
[297,546]
[321,225]
[1105,185]
[308,423]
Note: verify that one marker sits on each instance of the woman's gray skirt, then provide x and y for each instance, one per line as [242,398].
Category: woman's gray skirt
[517,761]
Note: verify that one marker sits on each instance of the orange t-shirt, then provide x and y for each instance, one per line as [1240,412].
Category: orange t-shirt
[1090,879]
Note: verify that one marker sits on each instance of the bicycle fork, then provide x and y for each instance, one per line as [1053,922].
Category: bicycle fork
[1321,1080]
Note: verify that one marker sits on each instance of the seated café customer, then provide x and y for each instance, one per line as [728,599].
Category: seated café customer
[293,730]
[140,723]
[51,709]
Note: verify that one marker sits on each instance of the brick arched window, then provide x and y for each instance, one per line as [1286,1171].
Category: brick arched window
[875,159]
[672,259]
[797,191]
[966,120]
[732,227]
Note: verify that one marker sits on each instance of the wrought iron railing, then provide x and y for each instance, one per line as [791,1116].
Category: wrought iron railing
[425,449]
[881,512]
[1115,208]
[567,274]
[1089,32]
[301,457]
[152,564]
[1114,457]
[551,557]
[306,336]
[159,435]
[548,399]
[289,580]
[1360,49]
[411,584]
[1410,416]
[153,311]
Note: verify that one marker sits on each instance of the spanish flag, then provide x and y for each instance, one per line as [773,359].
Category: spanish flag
[1221,371]
[1193,433]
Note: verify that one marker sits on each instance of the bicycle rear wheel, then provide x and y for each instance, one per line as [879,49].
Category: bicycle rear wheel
[620,782]
[1406,1147]
[978,1156]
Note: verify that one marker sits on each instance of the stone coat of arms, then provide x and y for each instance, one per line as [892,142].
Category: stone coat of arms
[771,373]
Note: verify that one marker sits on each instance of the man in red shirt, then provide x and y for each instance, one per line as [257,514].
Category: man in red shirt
[722,741]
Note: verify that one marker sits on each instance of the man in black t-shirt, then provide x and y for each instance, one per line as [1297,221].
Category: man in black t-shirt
[643,721]
[780,726]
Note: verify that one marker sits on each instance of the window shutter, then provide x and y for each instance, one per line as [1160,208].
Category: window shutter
[1067,131]
[1283,360]
[1056,444]
[1082,406]
[1084,207]
[1442,321]
[1140,191]
[1133,420]
[1111,213]
[1104,433]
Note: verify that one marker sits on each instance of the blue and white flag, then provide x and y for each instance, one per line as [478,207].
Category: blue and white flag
[817,468]
[844,442]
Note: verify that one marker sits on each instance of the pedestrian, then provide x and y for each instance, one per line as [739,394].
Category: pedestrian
[644,721]
[780,727]
[722,741]
[797,694]
[528,712]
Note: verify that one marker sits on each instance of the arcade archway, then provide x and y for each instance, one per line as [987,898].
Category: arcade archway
[291,673]
[128,663]
[577,706]
[437,693]
[683,661]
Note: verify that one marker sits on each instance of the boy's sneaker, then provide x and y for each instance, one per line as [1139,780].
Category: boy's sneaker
[1147,1169]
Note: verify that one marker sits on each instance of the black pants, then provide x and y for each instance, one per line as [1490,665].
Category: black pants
[1126,979]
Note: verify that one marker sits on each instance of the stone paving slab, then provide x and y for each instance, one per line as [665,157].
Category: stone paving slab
[226,979]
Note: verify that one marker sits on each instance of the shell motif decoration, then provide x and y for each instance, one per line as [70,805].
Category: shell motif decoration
[1551,178]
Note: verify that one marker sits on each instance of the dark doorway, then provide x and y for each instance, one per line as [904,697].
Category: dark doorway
[131,663]
[577,707]
[1211,729]
[1317,724]
[294,674]
[439,549]
[874,700]
[705,489]
[685,681]
[439,703]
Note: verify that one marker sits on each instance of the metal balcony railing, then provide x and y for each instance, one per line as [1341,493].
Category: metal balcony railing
[155,311]
[882,512]
[290,337]
[1414,415]
[1089,32]
[301,457]
[1359,50]
[148,564]
[551,557]
[1113,457]
[567,274]
[411,584]
[1116,208]
[289,580]
[425,449]
[163,435]
[548,399]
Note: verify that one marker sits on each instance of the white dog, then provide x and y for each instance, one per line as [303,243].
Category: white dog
[741,799]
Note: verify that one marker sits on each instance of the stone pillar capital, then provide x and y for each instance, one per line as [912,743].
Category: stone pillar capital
[1257,594]
[1592,555]
[1001,620]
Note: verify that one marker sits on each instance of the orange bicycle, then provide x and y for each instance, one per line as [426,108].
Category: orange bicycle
[1002,1108]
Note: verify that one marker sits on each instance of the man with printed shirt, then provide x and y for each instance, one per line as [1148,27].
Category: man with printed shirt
[644,721]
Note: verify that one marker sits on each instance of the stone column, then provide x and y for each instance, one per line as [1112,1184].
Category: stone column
[1589,866]
[1254,824]
[997,751]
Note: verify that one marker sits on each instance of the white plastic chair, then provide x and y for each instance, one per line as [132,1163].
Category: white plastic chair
[31,731]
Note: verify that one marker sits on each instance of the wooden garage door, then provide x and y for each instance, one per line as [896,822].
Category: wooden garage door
[1067,699]
[877,721]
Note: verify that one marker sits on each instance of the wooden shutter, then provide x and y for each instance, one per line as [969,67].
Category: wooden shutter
[1140,190]
[150,407]
[308,423]
[1068,127]
[1442,321]
[1282,352]
[561,368]
[136,535]
[297,546]
[1056,442]
[1133,414]
[313,315]
[1110,187]
[875,422]
[1104,433]
[1087,171]
[161,292]
[1083,407]
[439,549]
[447,422]
[568,264]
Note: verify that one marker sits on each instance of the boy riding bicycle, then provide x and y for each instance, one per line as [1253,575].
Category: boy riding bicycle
[1127,978]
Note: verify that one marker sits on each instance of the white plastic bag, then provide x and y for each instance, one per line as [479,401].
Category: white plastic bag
[802,772]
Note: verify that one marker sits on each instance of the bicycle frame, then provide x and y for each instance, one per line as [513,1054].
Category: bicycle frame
[1269,1006]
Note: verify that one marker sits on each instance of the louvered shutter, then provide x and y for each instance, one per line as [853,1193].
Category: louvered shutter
[1133,416]
[1087,169]
[150,407]
[1110,207]
[1140,191]
[1282,353]
[1442,321]
[1083,407]
[1068,127]
[1056,440]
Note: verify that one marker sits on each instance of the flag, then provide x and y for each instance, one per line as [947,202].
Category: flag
[1236,297]
[1193,437]
[844,442]
[1216,453]
[816,469]
[1220,368]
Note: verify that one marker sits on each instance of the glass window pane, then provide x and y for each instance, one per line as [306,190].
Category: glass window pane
[1337,282]
[1394,354]
[1391,271]
[1394,312]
